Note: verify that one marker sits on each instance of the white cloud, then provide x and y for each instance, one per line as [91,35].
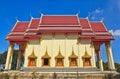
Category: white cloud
[97,14]
[115,33]
[111,31]
[98,11]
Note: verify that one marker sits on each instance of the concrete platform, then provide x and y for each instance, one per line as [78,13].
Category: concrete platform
[59,75]
[61,69]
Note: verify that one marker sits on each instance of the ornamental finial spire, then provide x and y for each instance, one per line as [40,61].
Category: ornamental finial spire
[78,13]
[41,13]
[72,49]
[88,15]
[46,49]
[59,49]
[85,50]
[31,16]
[17,19]
[102,20]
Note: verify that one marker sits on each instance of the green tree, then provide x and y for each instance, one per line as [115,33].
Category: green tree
[105,65]
[117,66]
[3,57]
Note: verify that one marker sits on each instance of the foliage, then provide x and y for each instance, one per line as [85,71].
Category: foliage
[3,57]
[117,66]
[105,65]
[15,77]
[6,76]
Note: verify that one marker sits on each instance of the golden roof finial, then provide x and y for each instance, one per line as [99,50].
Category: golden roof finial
[72,50]
[46,54]
[59,49]
[46,48]
[85,50]
[73,54]
[86,55]
[32,55]
[59,54]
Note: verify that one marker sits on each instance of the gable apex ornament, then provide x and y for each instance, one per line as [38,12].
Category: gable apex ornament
[17,19]
[102,20]
[78,13]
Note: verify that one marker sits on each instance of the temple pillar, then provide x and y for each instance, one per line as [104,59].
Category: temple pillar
[9,56]
[109,56]
[21,50]
[99,57]
[79,57]
[66,59]
[93,56]
[52,54]
[100,60]
[19,60]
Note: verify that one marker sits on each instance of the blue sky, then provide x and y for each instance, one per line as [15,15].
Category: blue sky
[95,9]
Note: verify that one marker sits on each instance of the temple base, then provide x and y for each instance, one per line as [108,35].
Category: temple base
[61,69]
[60,75]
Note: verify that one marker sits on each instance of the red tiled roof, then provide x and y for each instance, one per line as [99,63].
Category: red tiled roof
[20,27]
[32,36]
[59,29]
[84,23]
[59,20]
[16,38]
[34,23]
[98,27]
[59,24]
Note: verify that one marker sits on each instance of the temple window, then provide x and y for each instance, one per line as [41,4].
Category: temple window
[32,59]
[86,62]
[59,59]
[73,59]
[86,59]
[46,62]
[46,59]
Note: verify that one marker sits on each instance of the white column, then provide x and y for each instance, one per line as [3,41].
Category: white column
[52,54]
[110,56]
[100,60]
[93,56]
[80,61]
[79,53]
[10,63]
[9,56]
[66,61]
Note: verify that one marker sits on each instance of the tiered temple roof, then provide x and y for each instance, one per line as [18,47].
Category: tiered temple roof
[68,24]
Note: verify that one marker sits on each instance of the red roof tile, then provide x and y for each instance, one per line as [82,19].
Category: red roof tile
[98,27]
[59,20]
[34,23]
[59,24]
[84,23]
[60,28]
[20,27]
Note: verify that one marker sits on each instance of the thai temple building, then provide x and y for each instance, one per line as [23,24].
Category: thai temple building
[60,41]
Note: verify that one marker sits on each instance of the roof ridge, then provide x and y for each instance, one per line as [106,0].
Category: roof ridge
[59,15]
